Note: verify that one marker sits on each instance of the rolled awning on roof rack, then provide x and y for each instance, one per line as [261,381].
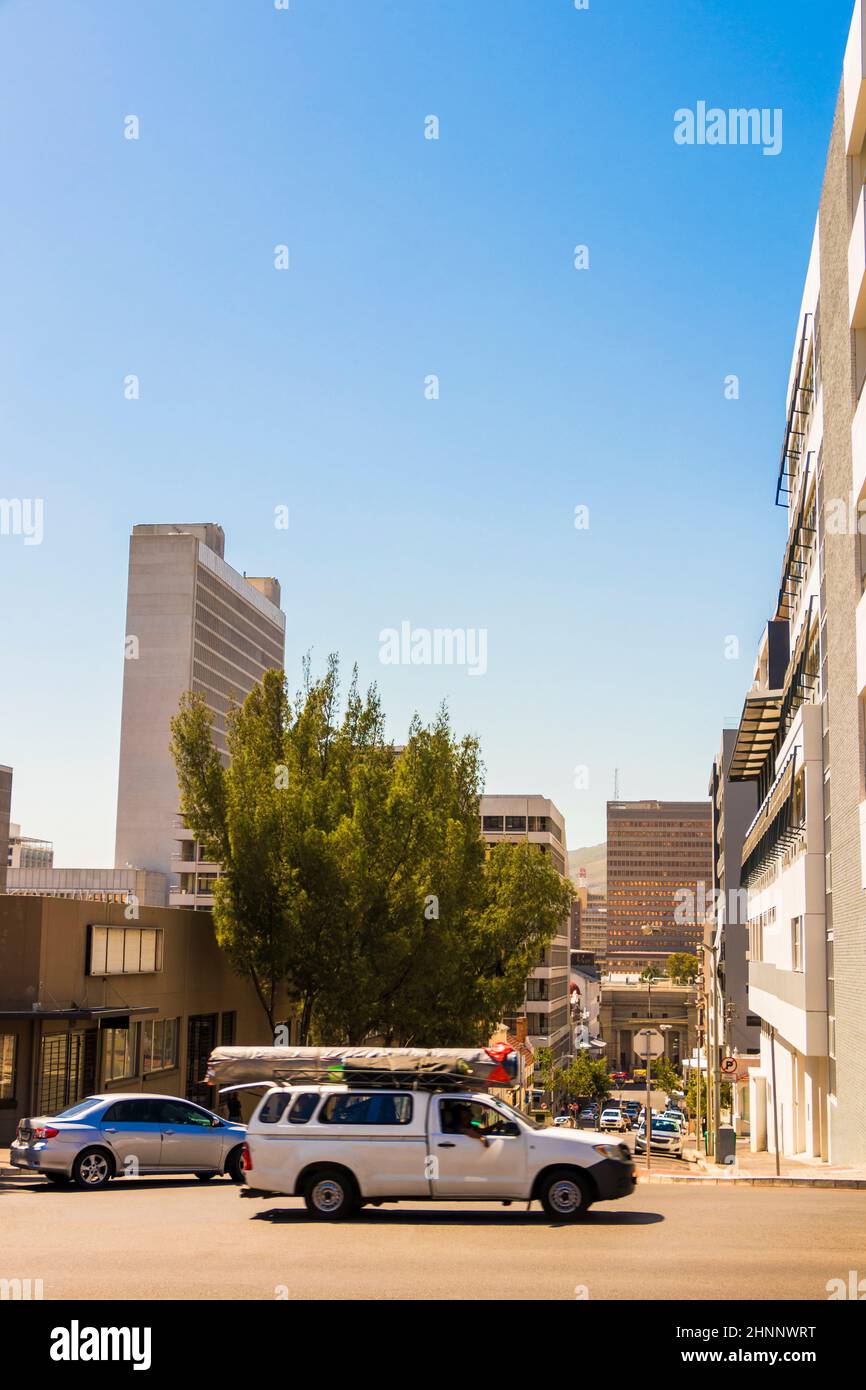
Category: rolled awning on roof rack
[435,1068]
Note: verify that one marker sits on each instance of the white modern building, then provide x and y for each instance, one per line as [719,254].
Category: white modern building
[778,747]
[193,624]
[536,820]
[802,735]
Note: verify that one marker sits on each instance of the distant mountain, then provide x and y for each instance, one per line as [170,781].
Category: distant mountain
[593,858]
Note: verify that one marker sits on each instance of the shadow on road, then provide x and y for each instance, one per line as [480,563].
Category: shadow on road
[295,1217]
[182,1181]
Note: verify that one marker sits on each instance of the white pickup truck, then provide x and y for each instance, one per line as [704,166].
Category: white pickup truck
[341,1148]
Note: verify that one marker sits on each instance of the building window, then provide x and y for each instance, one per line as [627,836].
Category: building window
[8,1043]
[797,944]
[120,1052]
[515,823]
[125,950]
[491,823]
[159,1044]
[228,1029]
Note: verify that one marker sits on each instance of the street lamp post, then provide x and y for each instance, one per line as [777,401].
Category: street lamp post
[714,1113]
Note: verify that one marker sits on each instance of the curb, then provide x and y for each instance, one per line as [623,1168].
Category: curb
[710,1180]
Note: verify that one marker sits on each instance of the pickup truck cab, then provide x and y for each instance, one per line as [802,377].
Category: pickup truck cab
[341,1148]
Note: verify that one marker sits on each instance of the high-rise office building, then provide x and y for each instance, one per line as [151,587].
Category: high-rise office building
[546,1007]
[192,623]
[659,873]
[592,930]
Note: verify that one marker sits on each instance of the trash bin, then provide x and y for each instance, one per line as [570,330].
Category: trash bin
[726,1144]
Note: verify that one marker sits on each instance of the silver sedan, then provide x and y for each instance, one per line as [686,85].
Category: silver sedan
[109,1136]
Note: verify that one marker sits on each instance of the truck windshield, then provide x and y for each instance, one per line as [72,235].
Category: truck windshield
[515,1114]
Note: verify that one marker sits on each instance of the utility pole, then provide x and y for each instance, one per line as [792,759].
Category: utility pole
[700,1013]
[649,1066]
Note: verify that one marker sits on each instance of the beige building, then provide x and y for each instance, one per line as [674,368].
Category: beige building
[91,1001]
[626,1008]
[144,887]
[192,623]
[546,1008]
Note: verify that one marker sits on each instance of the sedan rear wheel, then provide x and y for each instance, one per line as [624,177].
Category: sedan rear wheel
[234,1168]
[93,1168]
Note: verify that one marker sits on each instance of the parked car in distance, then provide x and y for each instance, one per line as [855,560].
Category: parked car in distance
[614,1118]
[665,1137]
[118,1135]
[672,1114]
[588,1118]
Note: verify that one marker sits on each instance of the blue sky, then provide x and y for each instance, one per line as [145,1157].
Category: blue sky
[408,257]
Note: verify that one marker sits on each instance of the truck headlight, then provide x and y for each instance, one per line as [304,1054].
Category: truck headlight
[610,1151]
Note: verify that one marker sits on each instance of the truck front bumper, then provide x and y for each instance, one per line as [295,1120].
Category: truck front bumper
[613,1179]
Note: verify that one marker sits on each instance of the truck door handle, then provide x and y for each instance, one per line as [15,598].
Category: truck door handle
[447,1146]
[166,1132]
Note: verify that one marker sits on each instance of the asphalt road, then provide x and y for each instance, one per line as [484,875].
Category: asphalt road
[177,1238]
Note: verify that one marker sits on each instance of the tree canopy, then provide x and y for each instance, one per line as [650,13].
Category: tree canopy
[354,875]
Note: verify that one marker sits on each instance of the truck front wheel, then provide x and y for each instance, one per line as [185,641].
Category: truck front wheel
[330,1195]
[563,1194]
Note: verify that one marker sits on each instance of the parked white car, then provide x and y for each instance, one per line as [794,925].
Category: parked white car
[342,1148]
[613,1118]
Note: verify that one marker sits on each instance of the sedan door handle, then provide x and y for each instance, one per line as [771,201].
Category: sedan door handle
[167,1132]
[111,1131]
[447,1146]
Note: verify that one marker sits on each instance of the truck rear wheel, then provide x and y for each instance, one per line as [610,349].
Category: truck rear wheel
[330,1195]
[564,1195]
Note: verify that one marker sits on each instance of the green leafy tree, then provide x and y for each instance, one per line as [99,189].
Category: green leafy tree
[354,874]
[588,1079]
[664,1076]
[682,967]
[692,1094]
[651,972]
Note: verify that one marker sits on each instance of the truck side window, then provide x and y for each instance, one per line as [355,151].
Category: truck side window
[303,1108]
[376,1109]
[274,1107]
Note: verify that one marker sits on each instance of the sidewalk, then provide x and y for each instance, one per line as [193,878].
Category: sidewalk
[759,1170]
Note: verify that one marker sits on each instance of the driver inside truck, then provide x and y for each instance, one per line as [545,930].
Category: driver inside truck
[457,1119]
